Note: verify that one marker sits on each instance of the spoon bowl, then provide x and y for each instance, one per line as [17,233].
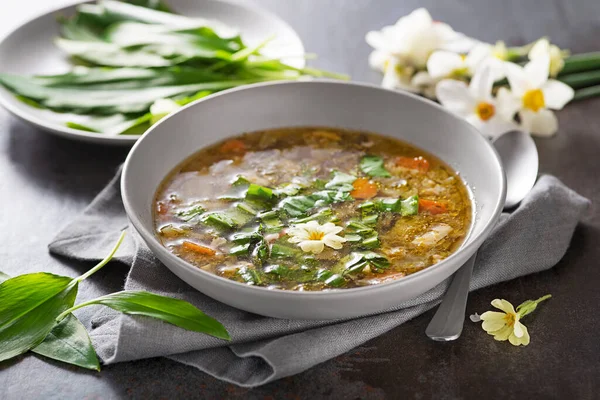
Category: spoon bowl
[520,160]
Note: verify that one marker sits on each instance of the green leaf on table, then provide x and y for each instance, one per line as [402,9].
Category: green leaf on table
[174,311]
[69,342]
[373,166]
[29,305]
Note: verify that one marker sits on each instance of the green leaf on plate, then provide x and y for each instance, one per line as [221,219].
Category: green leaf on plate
[69,342]
[104,101]
[174,311]
[29,305]
[373,166]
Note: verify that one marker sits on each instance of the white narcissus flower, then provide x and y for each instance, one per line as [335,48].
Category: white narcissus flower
[493,55]
[312,236]
[505,325]
[448,64]
[398,76]
[475,102]
[533,95]
[543,48]
[413,38]
[402,50]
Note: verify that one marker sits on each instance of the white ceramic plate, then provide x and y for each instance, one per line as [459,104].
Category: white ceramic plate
[30,50]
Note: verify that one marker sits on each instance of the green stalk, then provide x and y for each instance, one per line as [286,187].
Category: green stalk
[103,262]
[581,62]
[587,93]
[75,307]
[582,79]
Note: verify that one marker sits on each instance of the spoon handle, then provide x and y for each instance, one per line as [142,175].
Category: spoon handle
[448,321]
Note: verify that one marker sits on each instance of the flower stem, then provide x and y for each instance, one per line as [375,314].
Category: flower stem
[546,297]
[582,79]
[104,261]
[529,306]
[581,62]
[586,93]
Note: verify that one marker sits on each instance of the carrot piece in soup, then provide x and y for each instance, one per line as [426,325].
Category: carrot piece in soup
[197,248]
[432,207]
[233,146]
[418,163]
[363,189]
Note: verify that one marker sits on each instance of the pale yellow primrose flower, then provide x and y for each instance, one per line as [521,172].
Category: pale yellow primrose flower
[312,236]
[507,325]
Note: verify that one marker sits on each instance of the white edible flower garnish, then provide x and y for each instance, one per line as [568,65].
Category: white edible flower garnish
[312,236]
[475,102]
[161,108]
[533,95]
[437,233]
[543,48]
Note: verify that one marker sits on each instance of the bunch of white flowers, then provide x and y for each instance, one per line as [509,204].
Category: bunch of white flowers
[478,81]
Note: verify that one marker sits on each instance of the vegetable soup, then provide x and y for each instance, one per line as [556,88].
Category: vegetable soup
[312,209]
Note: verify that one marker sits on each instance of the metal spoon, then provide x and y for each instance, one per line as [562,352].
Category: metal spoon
[520,161]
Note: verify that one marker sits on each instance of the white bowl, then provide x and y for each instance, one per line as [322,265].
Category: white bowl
[314,103]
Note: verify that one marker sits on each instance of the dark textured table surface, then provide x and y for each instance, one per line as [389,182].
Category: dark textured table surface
[45,180]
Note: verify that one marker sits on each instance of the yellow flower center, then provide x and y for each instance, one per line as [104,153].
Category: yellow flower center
[534,100]
[510,320]
[463,57]
[485,110]
[315,235]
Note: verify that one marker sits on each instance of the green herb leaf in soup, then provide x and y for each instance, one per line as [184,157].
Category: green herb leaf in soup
[373,166]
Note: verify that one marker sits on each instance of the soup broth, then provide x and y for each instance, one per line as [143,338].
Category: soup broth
[312,209]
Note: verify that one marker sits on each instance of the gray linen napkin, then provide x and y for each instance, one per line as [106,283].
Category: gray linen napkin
[532,238]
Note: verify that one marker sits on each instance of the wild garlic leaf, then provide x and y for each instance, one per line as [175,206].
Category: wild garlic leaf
[104,101]
[153,4]
[112,11]
[174,311]
[111,55]
[69,342]
[341,181]
[29,305]
[359,260]
[373,166]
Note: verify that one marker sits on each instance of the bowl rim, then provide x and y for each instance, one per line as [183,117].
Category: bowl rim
[94,137]
[474,241]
